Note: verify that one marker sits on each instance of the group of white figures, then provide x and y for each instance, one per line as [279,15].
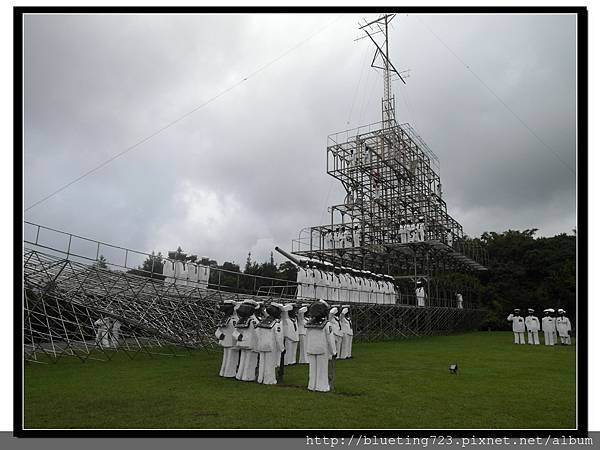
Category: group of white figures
[108,331]
[348,236]
[345,285]
[186,273]
[258,339]
[551,326]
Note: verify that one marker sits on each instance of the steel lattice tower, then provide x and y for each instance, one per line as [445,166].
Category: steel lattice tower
[390,175]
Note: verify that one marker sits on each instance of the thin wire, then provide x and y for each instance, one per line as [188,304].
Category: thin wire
[326,200]
[496,95]
[364,64]
[180,118]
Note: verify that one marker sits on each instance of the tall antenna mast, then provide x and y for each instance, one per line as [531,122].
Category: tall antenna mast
[382,61]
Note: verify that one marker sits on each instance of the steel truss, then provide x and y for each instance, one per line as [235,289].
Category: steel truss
[390,176]
[63,299]
[382,322]
[394,219]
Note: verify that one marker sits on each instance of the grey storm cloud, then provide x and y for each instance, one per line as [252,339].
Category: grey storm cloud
[247,171]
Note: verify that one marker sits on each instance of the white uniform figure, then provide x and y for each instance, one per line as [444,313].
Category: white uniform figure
[331,291]
[115,333]
[180,273]
[420,229]
[312,281]
[341,237]
[449,238]
[563,326]
[320,286]
[420,294]
[270,344]
[302,357]
[320,343]
[348,239]
[336,327]
[372,288]
[331,239]
[518,326]
[224,334]
[411,231]
[356,236]
[548,327]
[459,301]
[204,276]
[342,285]
[290,333]
[403,232]
[392,289]
[354,291]
[193,274]
[532,324]
[301,278]
[103,325]
[246,341]
[348,333]
[168,269]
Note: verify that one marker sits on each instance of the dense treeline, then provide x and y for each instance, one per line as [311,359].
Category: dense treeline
[527,272]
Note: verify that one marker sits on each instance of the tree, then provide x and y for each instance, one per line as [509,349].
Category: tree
[101,262]
[152,267]
[528,272]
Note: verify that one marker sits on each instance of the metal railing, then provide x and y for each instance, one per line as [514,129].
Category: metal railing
[87,250]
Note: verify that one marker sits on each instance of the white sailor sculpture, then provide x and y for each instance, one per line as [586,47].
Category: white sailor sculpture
[348,332]
[403,232]
[563,327]
[518,326]
[420,294]
[269,344]
[224,334]
[245,337]
[320,343]
[115,333]
[290,333]
[532,323]
[301,278]
[459,300]
[420,229]
[548,327]
[103,325]
[336,327]
[302,357]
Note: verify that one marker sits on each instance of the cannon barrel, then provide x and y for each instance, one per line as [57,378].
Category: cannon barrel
[288,256]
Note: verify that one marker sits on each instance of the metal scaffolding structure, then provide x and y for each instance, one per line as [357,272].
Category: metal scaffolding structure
[393,186]
[68,295]
[76,289]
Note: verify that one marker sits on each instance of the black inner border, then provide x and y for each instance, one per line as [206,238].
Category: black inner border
[582,220]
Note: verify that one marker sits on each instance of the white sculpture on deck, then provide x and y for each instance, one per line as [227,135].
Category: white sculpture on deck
[302,357]
[320,343]
[224,334]
[270,343]
[290,333]
[245,337]
[348,332]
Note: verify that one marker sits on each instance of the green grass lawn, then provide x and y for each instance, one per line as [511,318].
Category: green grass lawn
[394,384]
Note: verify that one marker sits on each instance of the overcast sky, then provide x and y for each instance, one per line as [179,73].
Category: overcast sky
[247,171]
